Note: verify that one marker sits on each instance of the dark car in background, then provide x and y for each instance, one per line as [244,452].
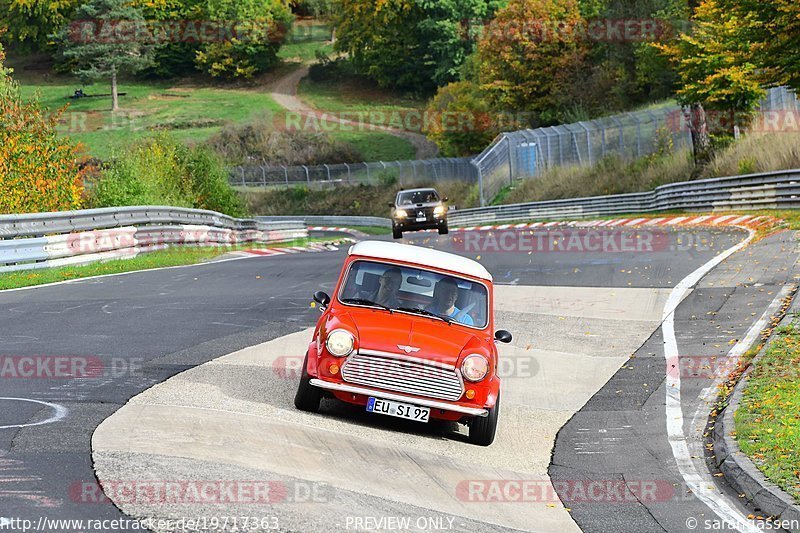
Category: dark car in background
[416,209]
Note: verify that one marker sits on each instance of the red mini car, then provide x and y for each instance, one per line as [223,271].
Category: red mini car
[408,333]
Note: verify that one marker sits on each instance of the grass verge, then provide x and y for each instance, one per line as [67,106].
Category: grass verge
[177,256]
[768,420]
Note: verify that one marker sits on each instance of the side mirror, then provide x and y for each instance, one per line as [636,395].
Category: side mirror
[502,335]
[390,204]
[445,199]
[322,299]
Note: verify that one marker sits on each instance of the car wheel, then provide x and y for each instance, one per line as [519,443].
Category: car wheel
[443,230]
[308,396]
[397,233]
[483,428]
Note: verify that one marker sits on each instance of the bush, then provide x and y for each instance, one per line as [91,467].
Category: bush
[261,29]
[259,141]
[38,170]
[162,171]
[465,124]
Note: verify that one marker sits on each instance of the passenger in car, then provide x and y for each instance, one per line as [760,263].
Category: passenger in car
[388,288]
[445,295]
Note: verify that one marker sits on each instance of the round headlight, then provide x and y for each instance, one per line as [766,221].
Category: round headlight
[475,367]
[440,210]
[400,213]
[339,342]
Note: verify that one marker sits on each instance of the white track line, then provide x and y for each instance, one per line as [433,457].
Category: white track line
[59,412]
[718,503]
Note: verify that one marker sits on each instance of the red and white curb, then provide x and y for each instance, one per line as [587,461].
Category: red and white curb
[746,221]
[313,247]
[741,221]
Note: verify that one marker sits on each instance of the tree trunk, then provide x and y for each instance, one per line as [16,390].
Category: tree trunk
[701,140]
[114,95]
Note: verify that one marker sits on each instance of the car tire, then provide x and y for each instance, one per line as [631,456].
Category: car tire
[397,233]
[443,230]
[483,428]
[308,396]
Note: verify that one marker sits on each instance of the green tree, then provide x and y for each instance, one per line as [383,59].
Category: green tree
[772,30]
[104,40]
[30,22]
[716,72]
[414,45]
[261,28]
[526,60]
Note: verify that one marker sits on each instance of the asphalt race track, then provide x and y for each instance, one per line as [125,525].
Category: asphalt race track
[203,357]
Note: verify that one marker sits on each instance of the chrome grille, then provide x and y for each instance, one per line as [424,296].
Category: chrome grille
[401,375]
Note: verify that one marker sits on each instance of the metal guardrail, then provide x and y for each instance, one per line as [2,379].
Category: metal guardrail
[771,190]
[333,220]
[41,240]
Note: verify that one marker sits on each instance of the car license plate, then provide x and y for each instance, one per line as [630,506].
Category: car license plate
[398,409]
[421,217]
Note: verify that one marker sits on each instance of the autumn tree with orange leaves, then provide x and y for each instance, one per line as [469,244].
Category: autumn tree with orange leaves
[38,169]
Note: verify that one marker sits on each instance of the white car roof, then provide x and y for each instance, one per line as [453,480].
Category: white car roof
[420,256]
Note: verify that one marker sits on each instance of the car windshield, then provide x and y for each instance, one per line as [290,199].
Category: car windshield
[413,290]
[417,197]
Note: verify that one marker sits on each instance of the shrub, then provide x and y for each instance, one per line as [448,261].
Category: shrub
[259,141]
[261,29]
[465,124]
[38,170]
[163,171]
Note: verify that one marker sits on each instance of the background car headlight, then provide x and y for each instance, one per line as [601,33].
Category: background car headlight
[339,342]
[400,213]
[475,367]
[440,210]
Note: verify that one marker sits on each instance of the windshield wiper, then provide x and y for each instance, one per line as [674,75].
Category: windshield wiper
[425,312]
[364,301]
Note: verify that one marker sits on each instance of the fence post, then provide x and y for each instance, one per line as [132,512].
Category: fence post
[348,172]
[369,178]
[264,173]
[286,175]
[480,183]
[510,159]
[329,171]
[308,176]
[242,169]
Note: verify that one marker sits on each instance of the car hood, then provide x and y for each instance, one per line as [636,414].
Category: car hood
[435,340]
[426,205]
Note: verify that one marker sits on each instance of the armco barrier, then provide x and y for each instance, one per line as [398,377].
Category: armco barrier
[771,190]
[43,240]
[333,220]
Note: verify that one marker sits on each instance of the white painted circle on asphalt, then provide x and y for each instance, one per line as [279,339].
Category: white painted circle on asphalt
[59,412]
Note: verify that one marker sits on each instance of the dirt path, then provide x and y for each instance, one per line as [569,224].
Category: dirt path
[284,92]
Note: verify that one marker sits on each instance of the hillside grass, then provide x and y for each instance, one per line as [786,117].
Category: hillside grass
[751,154]
[173,256]
[351,93]
[767,420]
[192,114]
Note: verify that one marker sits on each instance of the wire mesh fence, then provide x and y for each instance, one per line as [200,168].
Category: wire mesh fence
[400,172]
[528,153]
[514,155]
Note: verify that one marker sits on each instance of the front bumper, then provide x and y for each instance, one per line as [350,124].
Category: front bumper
[366,391]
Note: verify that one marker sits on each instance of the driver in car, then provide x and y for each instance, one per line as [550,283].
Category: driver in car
[445,295]
[388,288]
